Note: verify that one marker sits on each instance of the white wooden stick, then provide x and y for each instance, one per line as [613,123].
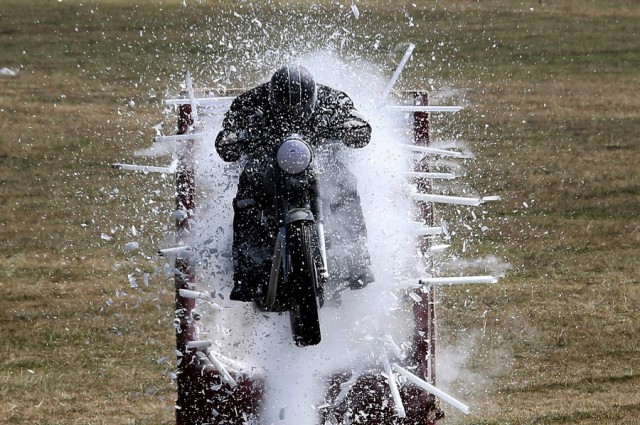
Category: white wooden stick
[431,151]
[421,174]
[345,387]
[203,101]
[396,74]
[146,168]
[458,280]
[192,97]
[179,137]
[393,386]
[431,389]
[420,108]
[224,374]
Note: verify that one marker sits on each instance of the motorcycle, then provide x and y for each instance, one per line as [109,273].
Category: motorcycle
[299,262]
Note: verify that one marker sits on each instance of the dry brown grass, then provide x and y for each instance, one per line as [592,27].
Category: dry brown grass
[554,120]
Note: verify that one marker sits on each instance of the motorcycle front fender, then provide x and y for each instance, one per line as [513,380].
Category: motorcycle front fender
[299,214]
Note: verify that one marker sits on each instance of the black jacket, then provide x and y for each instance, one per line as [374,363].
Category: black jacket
[249,127]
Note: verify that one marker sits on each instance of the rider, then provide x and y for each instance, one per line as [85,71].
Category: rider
[292,102]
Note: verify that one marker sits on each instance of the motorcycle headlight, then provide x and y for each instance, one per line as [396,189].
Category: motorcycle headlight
[294,155]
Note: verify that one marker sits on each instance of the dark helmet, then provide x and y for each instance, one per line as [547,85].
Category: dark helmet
[292,93]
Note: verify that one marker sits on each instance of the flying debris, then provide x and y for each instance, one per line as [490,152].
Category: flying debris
[9,72]
[131,246]
[355,11]
[377,361]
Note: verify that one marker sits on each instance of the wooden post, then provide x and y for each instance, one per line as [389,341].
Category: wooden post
[424,311]
[203,396]
[187,370]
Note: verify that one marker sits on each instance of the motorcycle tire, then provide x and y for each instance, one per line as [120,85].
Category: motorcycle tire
[303,278]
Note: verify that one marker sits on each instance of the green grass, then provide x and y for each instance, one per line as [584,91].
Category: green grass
[553,120]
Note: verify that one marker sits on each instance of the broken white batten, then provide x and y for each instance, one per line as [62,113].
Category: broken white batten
[426,175]
[432,151]
[147,168]
[200,345]
[421,229]
[458,280]
[232,364]
[429,231]
[393,385]
[396,74]
[173,270]
[240,367]
[432,389]
[180,137]
[345,387]
[438,248]
[397,351]
[491,198]
[174,251]
[203,346]
[208,365]
[224,374]
[192,97]
[420,108]
[457,200]
[196,295]
[222,102]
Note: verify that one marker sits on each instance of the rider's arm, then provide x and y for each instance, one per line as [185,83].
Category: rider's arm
[229,143]
[355,130]
[242,124]
[338,119]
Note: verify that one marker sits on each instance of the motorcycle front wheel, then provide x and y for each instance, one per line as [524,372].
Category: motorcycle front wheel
[303,279]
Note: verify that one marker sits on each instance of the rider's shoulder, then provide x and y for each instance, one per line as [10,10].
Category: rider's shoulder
[252,98]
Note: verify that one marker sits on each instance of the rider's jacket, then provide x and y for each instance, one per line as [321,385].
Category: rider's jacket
[249,126]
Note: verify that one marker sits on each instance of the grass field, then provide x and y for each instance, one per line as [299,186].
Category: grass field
[554,120]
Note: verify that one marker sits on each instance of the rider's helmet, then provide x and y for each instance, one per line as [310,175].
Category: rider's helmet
[292,93]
